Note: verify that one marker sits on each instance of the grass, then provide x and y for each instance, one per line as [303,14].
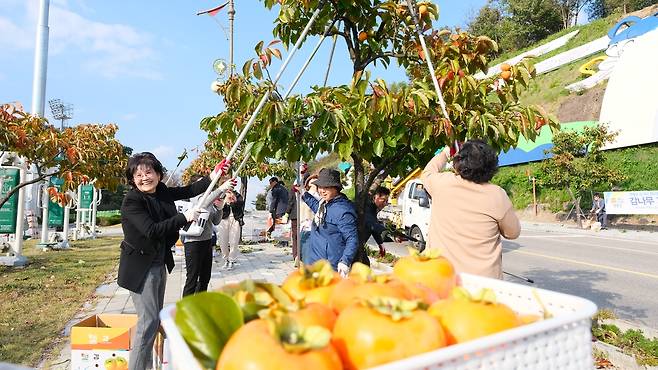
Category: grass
[39,299]
[588,32]
[636,163]
[632,342]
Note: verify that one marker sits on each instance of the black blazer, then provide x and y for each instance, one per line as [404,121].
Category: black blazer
[144,233]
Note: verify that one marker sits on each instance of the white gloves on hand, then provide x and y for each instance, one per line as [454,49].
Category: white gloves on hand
[221,169]
[192,214]
[229,184]
[343,270]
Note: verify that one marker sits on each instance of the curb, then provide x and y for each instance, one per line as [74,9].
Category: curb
[619,359]
[572,229]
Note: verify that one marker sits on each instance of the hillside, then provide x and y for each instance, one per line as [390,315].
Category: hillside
[548,89]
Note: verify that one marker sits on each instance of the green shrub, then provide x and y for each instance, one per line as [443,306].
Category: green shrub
[108,220]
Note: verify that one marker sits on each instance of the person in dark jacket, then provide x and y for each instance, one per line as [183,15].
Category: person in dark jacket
[230,228]
[292,216]
[334,234]
[375,227]
[199,245]
[150,225]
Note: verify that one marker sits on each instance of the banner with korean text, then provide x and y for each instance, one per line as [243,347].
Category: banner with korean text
[631,202]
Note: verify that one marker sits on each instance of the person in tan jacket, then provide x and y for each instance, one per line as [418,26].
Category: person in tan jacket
[469,214]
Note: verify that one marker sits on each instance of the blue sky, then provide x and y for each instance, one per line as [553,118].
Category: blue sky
[147,65]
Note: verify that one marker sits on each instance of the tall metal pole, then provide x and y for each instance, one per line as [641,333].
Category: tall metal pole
[40,61]
[39,88]
[231,18]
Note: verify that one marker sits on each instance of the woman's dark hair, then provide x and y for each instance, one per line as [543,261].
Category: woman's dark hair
[143,159]
[476,161]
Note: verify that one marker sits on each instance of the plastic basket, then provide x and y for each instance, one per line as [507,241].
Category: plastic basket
[562,342]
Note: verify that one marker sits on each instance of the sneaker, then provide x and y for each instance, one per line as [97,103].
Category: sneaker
[226,264]
[230,265]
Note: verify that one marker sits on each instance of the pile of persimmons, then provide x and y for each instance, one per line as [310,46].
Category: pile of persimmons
[318,320]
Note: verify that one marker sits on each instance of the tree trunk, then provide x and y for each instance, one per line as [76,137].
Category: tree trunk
[360,198]
[576,203]
[243,187]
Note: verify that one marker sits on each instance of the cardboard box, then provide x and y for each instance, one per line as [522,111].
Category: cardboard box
[99,359]
[104,331]
[102,342]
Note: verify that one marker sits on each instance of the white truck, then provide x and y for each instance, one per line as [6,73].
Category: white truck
[414,204]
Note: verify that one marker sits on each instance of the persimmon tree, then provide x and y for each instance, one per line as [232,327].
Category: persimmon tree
[77,154]
[578,164]
[383,131]
[213,154]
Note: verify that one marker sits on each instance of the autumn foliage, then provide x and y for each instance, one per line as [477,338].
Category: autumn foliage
[77,154]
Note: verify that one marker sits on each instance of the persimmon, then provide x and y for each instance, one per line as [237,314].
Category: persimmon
[312,283]
[263,344]
[505,67]
[506,75]
[465,318]
[428,268]
[254,297]
[315,314]
[68,176]
[422,10]
[363,284]
[363,36]
[384,330]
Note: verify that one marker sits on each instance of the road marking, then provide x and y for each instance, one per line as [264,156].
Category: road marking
[644,274]
[607,247]
[552,236]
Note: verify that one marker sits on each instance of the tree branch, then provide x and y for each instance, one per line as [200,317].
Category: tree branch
[13,191]
[385,163]
[377,56]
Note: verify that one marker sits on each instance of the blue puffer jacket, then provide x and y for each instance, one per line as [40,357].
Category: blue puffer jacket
[336,239]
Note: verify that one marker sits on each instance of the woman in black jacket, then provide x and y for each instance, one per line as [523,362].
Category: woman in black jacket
[150,225]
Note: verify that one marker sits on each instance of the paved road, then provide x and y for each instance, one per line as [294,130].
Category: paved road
[615,273]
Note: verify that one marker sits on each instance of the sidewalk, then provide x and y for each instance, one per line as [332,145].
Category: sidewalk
[259,262]
[571,228]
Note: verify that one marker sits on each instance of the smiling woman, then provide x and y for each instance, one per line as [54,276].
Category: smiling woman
[150,225]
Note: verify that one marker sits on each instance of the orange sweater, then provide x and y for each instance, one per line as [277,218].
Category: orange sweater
[468,220]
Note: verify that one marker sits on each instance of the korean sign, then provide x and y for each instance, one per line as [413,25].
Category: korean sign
[631,202]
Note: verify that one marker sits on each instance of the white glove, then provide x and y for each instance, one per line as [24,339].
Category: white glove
[221,169]
[343,270]
[229,184]
[191,214]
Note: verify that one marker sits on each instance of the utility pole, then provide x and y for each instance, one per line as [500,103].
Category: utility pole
[39,87]
[231,18]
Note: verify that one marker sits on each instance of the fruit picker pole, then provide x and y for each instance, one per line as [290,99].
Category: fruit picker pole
[287,94]
[181,158]
[331,58]
[308,61]
[263,100]
[411,4]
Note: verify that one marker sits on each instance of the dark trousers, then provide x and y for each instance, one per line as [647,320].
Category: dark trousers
[293,237]
[602,217]
[198,261]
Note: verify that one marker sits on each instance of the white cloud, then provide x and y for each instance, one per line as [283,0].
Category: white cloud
[162,152]
[109,50]
[13,36]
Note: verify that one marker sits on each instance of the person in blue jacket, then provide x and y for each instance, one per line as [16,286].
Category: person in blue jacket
[334,234]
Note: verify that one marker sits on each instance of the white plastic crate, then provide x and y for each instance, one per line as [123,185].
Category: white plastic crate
[563,342]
